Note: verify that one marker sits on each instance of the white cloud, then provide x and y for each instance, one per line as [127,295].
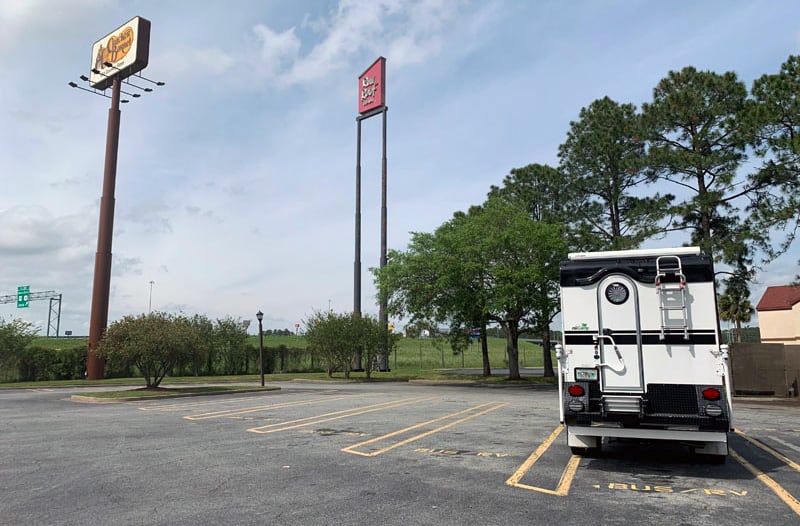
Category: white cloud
[33,230]
[43,20]
[189,63]
[276,49]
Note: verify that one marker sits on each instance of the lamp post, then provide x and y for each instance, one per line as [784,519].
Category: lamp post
[150,303]
[260,316]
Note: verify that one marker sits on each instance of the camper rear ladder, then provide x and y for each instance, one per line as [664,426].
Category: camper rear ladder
[671,290]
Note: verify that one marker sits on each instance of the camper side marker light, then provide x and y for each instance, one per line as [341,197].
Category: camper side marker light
[712,394]
[575,390]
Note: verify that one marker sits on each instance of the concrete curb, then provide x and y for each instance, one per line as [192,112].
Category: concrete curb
[95,400]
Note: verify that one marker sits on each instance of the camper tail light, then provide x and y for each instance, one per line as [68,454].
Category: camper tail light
[713,410]
[575,390]
[711,394]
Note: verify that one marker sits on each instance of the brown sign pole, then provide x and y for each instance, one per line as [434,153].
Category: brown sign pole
[102,261]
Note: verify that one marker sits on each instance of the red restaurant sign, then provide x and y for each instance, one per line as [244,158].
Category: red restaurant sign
[372,87]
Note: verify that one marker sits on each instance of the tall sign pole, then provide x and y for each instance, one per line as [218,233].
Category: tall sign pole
[102,260]
[118,55]
[382,314]
[371,102]
[357,264]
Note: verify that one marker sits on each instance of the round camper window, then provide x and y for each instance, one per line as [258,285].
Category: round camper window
[617,293]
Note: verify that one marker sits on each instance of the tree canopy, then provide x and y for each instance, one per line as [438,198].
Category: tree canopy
[697,137]
[487,264]
[153,342]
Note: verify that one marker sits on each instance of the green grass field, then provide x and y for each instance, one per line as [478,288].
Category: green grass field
[412,354]
[431,354]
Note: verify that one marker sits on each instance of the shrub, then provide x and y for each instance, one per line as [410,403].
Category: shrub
[154,343]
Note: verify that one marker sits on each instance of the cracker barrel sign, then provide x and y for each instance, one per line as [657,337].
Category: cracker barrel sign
[121,53]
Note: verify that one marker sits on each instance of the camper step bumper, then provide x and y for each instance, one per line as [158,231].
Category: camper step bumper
[630,420]
[657,434]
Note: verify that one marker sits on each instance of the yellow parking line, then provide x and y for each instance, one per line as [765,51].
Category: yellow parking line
[177,406]
[336,415]
[232,412]
[776,488]
[789,462]
[567,475]
[352,449]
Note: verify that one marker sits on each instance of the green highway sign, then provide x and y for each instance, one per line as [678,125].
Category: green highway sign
[23,296]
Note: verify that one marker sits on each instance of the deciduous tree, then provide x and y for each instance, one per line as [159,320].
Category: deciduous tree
[15,336]
[494,258]
[153,342]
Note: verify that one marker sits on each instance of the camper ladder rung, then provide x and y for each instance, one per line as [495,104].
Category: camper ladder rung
[671,289]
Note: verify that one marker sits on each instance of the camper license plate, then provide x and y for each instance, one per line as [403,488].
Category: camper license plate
[585,374]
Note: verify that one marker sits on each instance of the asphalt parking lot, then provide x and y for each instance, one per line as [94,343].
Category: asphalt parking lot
[379,453]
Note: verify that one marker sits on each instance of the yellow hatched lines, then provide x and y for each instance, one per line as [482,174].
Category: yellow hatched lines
[335,415]
[566,476]
[179,406]
[789,499]
[472,412]
[236,412]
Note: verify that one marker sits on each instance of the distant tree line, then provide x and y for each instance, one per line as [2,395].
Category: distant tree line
[726,165]
[278,332]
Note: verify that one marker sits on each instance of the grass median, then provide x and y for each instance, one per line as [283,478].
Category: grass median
[168,392]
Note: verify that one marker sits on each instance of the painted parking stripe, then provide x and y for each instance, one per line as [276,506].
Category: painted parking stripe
[789,462]
[776,488]
[336,415]
[178,406]
[564,483]
[227,413]
[353,449]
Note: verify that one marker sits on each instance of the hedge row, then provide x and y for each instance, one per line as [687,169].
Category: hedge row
[36,363]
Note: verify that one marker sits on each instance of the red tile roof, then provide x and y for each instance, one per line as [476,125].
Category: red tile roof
[779,298]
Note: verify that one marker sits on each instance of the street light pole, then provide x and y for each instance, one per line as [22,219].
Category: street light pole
[150,303]
[260,316]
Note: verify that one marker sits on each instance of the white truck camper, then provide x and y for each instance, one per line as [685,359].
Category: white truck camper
[641,356]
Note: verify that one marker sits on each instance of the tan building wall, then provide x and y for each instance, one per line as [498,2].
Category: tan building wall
[780,326]
[768,369]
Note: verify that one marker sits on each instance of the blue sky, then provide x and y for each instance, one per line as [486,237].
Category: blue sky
[235,181]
